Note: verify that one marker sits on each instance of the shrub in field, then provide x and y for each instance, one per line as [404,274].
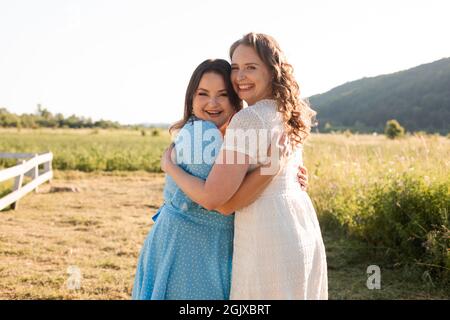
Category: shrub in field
[6,163]
[392,195]
[405,216]
[86,163]
[393,129]
[120,162]
[4,191]
[409,216]
[64,162]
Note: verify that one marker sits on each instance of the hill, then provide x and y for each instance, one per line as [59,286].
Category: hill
[419,98]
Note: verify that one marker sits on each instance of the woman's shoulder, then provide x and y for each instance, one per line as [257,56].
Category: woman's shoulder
[198,132]
[197,123]
[246,115]
[257,115]
[267,104]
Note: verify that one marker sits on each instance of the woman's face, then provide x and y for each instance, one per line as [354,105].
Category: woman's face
[251,78]
[211,100]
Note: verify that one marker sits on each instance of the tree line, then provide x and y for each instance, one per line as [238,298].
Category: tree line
[43,118]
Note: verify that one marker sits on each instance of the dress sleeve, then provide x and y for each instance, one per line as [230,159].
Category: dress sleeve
[197,146]
[248,134]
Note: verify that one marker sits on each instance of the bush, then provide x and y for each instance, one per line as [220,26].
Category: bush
[404,217]
[393,129]
[409,216]
[86,163]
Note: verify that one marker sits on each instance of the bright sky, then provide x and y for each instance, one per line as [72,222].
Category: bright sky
[130,60]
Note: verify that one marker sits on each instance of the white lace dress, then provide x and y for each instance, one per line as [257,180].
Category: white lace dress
[278,247]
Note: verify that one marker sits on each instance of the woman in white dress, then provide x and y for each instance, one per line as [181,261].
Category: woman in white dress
[278,247]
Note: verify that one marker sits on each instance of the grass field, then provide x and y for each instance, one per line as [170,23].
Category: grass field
[100,229]
[90,149]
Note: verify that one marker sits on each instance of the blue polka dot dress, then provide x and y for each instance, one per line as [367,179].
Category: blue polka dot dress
[188,252]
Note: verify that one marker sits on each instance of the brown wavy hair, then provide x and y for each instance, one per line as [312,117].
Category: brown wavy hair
[297,114]
[218,66]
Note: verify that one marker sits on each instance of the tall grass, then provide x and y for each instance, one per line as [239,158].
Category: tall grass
[90,149]
[394,195]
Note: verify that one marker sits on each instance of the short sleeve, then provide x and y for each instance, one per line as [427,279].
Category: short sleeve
[197,146]
[248,134]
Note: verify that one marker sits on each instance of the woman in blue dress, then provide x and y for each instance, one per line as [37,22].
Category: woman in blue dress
[188,252]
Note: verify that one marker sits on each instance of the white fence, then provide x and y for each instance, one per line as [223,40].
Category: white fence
[29,168]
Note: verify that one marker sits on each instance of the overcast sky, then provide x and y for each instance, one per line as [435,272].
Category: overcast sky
[130,61]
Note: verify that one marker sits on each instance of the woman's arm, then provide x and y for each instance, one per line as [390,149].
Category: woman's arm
[257,180]
[252,186]
[222,183]
[250,189]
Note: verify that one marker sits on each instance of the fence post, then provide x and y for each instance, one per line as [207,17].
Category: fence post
[36,174]
[17,185]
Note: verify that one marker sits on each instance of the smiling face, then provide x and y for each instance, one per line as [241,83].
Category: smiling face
[211,100]
[251,78]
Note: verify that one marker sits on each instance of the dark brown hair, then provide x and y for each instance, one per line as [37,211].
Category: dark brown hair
[297,113]
[218,66]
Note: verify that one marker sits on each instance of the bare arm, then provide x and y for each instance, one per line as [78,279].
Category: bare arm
[252,187]
[222,183]
[254,183]
[228,194]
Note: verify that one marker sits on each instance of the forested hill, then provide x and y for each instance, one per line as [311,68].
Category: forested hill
[419,98]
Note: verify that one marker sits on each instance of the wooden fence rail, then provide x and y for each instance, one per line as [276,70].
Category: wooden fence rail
[28,165]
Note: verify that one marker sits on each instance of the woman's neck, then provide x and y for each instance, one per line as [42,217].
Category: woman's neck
[223,128]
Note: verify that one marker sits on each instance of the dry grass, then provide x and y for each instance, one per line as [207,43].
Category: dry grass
[100,230]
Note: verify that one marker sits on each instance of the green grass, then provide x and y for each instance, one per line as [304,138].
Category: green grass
[392,194]
[89,149]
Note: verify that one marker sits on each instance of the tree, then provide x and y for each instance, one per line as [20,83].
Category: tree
[43,112]
[43,118]
[393,129]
